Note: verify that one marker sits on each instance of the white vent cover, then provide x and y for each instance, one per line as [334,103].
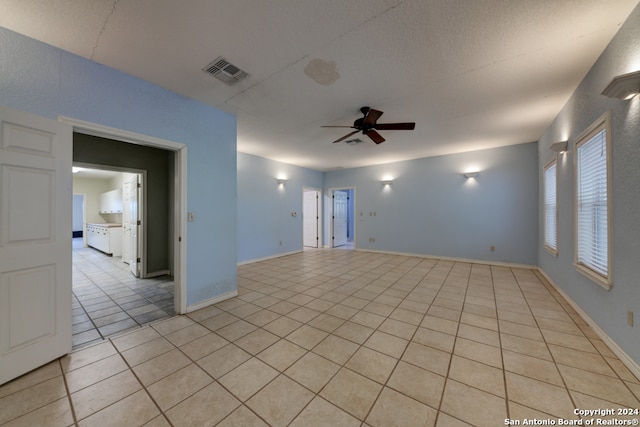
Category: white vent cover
[225,71]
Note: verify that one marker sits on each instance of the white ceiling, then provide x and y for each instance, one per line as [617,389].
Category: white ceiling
[472,74]
[103,174]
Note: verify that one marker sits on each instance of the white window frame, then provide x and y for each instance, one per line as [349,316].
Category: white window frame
[600,278]
[551,247]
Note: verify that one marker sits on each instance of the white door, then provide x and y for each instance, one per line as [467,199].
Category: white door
[35,241]
[126,215]
[339,218]
[310,218]
[131,222]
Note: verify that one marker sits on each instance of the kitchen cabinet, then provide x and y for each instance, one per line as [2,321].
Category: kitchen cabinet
[110,202]
[106,238]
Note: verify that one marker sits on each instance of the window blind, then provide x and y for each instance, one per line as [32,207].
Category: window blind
[592,207]
[550,208]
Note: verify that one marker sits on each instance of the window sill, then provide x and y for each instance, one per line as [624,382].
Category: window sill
[604,282]
[551,251]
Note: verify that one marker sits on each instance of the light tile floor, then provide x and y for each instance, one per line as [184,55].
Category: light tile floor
[341,338]
[108,299]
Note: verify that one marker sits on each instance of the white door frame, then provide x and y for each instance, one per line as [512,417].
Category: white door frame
[180,197]
[319,220]
[330,199]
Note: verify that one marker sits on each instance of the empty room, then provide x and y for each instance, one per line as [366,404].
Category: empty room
[371,213]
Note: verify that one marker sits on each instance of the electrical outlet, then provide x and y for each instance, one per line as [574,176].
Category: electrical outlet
[630,317]
[492,248]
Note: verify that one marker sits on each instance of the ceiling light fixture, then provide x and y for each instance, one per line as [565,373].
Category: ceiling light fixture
[559,147]
[624,86]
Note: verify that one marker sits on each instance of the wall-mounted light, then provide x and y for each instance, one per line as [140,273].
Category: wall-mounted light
[470,174]
[559,147]
[281,181]
[387,182]
[624,86]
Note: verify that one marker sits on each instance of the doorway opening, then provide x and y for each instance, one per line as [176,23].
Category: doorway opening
[342,218]
[161,288]
[110,287]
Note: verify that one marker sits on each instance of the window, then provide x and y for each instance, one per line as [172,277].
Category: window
[550,209]
[593,201]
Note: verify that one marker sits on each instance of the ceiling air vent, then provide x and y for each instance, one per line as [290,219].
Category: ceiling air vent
[353,141]
[225,71]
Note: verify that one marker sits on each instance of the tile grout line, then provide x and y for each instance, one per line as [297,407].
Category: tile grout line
[446,378]
[504,368]
[535,319]
[66,387]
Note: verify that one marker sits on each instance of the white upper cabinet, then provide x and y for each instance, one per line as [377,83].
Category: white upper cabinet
[111,202]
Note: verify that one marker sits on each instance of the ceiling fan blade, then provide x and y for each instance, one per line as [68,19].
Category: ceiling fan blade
[371,117]
[346,136]
[395,126]
[375,136]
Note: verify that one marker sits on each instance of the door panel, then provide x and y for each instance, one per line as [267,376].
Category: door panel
[339,218]
[131,222]
[310,219]
[35,241]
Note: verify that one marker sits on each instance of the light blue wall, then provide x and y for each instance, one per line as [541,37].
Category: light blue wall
[432,209]
[264,207]
[607,308]
[38,78]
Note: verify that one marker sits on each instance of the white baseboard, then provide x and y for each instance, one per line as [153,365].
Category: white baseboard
[211,301]
[251,261]
[613,346]
[444,258]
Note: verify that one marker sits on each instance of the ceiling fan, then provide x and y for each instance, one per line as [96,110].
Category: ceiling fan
[368,125]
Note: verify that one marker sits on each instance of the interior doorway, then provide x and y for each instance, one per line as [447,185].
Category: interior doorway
[109,291]
[77,215]
[175,165]
[342,218]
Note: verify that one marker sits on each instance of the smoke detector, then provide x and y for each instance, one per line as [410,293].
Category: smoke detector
[225,71]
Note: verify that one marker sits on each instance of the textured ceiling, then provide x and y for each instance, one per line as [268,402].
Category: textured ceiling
[472,74]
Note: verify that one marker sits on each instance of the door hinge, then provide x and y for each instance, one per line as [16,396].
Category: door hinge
[139,185]
[179,238]
[139,222]
[137,259]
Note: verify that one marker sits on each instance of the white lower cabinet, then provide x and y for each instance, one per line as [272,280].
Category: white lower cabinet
[106,238]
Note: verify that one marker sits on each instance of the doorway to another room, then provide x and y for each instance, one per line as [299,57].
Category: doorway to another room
[124,265]
[342,218]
